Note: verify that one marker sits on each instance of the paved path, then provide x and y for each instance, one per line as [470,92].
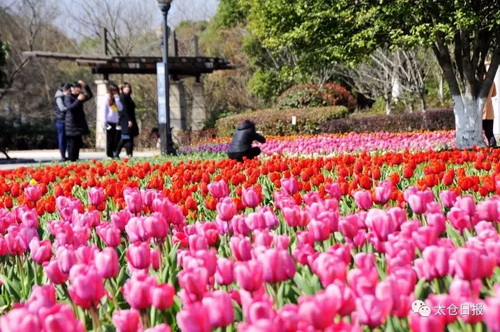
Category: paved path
[39,157]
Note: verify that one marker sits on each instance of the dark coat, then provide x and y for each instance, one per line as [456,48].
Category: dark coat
[128,114]
[75,121]
[243,137]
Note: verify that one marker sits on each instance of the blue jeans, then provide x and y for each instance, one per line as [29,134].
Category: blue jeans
[61,139]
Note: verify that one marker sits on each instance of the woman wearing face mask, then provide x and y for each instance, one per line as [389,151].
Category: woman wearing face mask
[128,121]
[111,108]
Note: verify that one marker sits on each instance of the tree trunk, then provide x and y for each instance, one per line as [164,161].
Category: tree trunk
[388,108]
[468,121]
[441,89]
[423,105]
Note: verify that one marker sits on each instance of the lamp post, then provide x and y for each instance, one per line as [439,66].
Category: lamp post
[166,142]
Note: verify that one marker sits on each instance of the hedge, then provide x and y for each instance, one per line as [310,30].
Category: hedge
[278,122]
[432,120]
[28,135]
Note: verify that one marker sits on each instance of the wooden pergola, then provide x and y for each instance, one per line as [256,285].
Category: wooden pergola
[179,66]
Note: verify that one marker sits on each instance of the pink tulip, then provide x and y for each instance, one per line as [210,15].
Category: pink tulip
[41,297]
[363,199]
[239,225]
[466,263]
[224,271]
[348,226]
[159,328]
[381,223]
[127,320]
[382,193]
[86,254]
[318,310]
[424,236]
[194,283]
[417,203]
[249,275]
[344,295]
[107,263]
[194,318]
[241,248]
[459,219]
[226,209]
[133,200]
[432,323]
[362,282]
[329,268]
[120,219]
[136,230]
[289,317]
[281,242]
[162,296]
[318,230]
[20,320]
[55,275]
[29,219]
[66,258]
[41,251]
[364,261]
[277,265]
[466,204]
[448,198]
[290,186]
[34,193]
[262,239]
[137,291]
[333,189]
[87,288]
[251,197]
[218,189]
[96,196]
[465,289]
[372,311]
[487,210]
[155,256]
[60,317]
[109,234]
[156,226]
[220,309]
[139,255]
[148,196]
[295,217]
[437,221]
[491,313]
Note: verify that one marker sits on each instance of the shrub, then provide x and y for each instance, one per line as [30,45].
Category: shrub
[278,122]
[311,95]
[34,134]
[432,120]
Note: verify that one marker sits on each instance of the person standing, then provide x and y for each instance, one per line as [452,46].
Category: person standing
[75,122]
[241,145]
[128,121]
[60,114]
[111,108]
[489,116]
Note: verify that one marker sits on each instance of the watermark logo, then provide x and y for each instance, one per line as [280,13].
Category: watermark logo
[465,309]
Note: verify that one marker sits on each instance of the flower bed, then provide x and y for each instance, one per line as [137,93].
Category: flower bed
[340,243]
[340,143]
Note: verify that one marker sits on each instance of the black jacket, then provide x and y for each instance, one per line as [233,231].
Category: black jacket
[128,114]
[243,137]
[75,121]
[59,108]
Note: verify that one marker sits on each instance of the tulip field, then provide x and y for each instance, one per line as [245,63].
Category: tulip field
[380,232]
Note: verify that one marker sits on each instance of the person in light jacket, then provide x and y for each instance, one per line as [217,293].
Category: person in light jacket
[489,116]
[241,145]
[111,107]
[75,122]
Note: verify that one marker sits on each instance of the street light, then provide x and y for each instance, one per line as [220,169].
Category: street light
[166,142]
